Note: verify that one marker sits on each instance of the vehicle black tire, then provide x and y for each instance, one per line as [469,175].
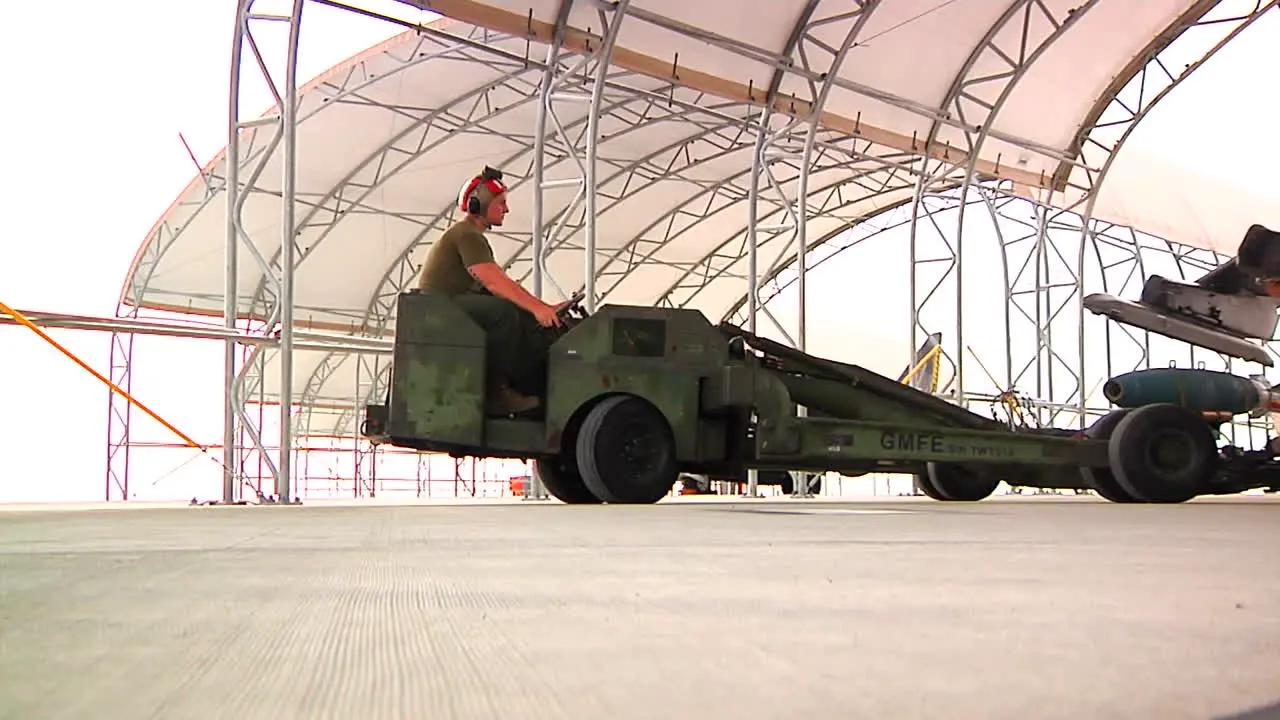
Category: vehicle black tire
[1101,479]
[1163,454]
[563,482]
[626,451]
[957,483]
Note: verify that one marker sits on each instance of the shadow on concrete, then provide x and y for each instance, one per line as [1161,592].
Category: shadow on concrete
[1268,712]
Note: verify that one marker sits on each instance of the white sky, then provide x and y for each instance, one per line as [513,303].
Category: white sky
[98,95]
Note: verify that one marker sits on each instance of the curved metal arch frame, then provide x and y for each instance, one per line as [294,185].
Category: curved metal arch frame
[705,190]
[588,165]
[377,319]
[709,272]
[962,101]
[343,423]
[753,274]
[248,380]
[833,244]
[1151,81]
[347,90]
[712,273]
[243,18]
[1237,24]
[1136,77]
[378,312]
[390,158]
[781,145]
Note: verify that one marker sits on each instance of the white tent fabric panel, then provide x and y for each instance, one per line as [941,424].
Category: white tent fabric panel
[1177,204]
[375,180]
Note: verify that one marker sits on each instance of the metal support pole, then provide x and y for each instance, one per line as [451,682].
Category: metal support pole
[556,76]
[230,404]
[619,10]
[753,198]
[859,16]
[282,127]
[534,489]
[119,414]
[288,119]
[539,156]
[753,253]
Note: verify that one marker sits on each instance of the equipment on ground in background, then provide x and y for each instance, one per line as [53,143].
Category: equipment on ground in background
[1199,390]
[784,480]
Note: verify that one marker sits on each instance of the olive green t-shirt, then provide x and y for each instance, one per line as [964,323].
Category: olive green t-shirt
[445,269]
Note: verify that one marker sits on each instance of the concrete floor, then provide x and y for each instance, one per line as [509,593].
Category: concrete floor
[1011,608]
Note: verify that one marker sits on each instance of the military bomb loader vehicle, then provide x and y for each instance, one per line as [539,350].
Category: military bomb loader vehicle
[635,396]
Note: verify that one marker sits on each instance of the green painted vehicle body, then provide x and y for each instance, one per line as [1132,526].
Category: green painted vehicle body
[663,356]
[728,408]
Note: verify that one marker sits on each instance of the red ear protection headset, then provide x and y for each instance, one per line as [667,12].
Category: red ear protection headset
[491,179]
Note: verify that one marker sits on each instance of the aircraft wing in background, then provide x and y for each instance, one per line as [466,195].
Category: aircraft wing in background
[1228,310]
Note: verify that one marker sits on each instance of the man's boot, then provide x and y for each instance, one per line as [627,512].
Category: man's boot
[505,401]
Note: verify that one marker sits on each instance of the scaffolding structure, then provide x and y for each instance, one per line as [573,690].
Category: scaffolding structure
[780,177]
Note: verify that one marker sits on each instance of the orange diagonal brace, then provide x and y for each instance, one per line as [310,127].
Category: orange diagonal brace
[21,320]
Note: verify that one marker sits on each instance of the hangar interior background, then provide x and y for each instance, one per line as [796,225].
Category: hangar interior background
[846,177]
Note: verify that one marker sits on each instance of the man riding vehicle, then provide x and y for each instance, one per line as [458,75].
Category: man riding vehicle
[460,265]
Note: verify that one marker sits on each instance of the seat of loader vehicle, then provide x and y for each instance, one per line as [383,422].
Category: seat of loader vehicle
[451,325]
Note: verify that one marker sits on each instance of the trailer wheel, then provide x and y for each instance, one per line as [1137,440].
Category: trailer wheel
[958,483]
[626,451]
[1163,454]
[1100,479]
[563,481]
[927,487]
